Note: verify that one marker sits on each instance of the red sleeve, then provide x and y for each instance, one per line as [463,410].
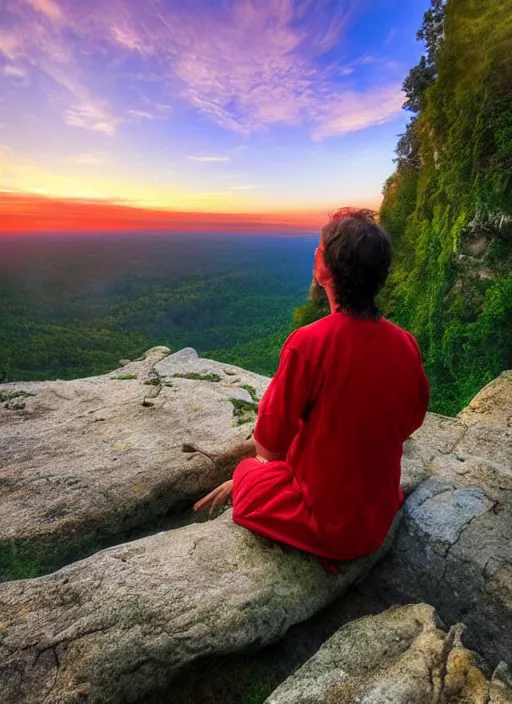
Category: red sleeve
[284,402]
[424,399]
[423,390]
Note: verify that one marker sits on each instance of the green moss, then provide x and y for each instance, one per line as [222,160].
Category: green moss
[17,566]
[23,559]
[259,689]
[251,391]
[198,377]
[8,395]
[233,679]
[153,382]
[460,184]
[125,377]
[244,411]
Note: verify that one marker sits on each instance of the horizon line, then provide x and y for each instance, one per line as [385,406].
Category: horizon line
[24,212]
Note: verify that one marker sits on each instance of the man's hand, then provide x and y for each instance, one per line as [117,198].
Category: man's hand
[217,497]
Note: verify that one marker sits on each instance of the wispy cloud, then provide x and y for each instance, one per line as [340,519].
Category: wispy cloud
[13,71]
[248,187]
[142,114]
[9,44]
[91,117]
[50,8]
[209,158]
[245,65]
[89,159]
[39,38]
[351,111]
[128,38]
[162,107]
[149,111]
[250,65]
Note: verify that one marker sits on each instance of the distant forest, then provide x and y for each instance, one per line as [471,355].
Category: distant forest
[73,306]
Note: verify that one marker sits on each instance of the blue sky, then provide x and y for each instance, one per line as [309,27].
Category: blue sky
[209,105]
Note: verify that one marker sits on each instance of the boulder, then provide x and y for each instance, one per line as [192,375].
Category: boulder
[90,461]
[400,656]
[118,625]
[85,462]
[454,549]
[493,405]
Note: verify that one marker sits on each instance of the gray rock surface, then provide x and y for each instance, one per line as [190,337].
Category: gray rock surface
[454,549]
[493,405]
[119,624]
[93,458]
[85,460]
[398,657]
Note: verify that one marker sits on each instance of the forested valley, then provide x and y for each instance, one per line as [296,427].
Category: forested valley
[73,306]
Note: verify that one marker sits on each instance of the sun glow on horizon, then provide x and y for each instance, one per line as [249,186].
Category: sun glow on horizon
[262,108]
[29,213]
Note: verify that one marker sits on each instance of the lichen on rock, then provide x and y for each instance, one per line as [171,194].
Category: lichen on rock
[397,657]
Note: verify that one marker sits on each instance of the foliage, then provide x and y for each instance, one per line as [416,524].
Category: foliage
[16,566]
[251,391]
[8,395]
[415,85]
[420,78]
[260,355]
[198,377]
[233,679]
[448,206]
[74,306]
[408,148]
[317,307]
[458,305]
[156,381]
[432,29]
[244,411]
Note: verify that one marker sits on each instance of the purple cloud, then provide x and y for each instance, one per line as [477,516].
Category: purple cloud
[244,64]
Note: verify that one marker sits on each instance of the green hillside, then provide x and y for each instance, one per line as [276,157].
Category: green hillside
[74,306]
[448,206]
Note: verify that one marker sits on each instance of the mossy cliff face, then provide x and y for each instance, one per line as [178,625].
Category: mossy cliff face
[449,210]
[448,206]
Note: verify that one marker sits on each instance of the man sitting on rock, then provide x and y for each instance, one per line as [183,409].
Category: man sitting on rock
[349,390]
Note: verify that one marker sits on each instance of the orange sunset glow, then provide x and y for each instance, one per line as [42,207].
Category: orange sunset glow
[236,115]
[32,213]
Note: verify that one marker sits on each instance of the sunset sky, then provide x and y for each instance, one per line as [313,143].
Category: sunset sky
[219,106]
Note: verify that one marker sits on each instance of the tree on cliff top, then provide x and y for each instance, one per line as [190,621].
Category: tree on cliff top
[449,202]
[448,206]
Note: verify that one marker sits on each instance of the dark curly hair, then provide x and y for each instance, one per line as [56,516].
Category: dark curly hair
[357,251]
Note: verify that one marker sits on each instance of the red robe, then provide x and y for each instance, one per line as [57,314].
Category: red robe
[346,395]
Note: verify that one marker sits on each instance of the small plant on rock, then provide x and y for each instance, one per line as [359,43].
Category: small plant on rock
[198,377]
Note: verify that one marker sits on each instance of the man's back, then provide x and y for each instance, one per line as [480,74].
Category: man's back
[349,389]
[348,392]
